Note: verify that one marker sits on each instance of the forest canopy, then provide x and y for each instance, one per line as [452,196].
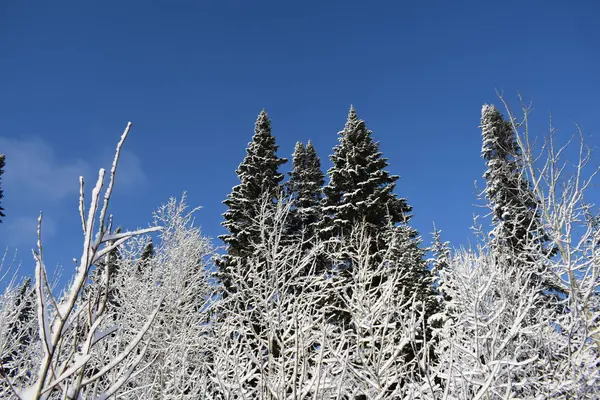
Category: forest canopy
[324,289]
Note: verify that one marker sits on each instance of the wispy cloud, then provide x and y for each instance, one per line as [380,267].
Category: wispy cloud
[33,169]
[22,230]
[36,178]
[129,172]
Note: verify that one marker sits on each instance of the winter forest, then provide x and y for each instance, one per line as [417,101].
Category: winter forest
[322,289]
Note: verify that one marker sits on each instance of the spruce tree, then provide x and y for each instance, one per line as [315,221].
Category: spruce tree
[2,161]
[405,256]
[305,190]
[259,178]
[106,268]
[518,230]
[22,331]
[360,189]
[146,256]
[440,263]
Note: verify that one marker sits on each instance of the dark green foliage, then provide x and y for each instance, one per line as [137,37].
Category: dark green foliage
[360,191]
[518,229]
[440,263]
[2,163]
[260,187]
[147,254]
[22,331]
[259,179]
[405,255]
[104,277]
[305,191]
[359,188]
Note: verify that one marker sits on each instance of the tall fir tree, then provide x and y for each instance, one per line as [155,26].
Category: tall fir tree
[2,162]
[22,331]
[259,178]
[440,263]
[518,230]
[360,189]
[146,256]
[405,255]
[103,279]
[305,190]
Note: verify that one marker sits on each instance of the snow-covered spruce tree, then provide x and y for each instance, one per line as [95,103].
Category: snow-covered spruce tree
[561,187]
[2,162]
[17,334]
[108,268]
[383,351]
[269,339]
[360,191]
[440,264]
[518,229]
[147,254]
[21,331]
[359,188]
[299,353]
[503,340]
[440,261]
[259,175]
[305,190]
[404,254]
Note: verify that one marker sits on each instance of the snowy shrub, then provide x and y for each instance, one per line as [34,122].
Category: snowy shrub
[297,310]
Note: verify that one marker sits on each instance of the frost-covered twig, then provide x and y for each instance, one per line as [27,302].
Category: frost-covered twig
[64,360]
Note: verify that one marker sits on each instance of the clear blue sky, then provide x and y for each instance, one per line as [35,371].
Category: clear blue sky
[193,75]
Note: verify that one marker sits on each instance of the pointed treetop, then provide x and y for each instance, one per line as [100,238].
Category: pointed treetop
[299,147]
[488,108]
[2,160]
[499,140]
[259,176]
[262,122]
[352,121]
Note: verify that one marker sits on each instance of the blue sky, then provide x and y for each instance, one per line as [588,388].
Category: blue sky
[192,76]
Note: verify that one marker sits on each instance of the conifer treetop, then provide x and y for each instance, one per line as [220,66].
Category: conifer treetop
[305,190]
[359,186]
[2,161]
[499,141]
[352,120]
[518,228]
[259,177]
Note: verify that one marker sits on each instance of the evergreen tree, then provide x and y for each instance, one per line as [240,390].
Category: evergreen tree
[23,330]
[103,279]
[259,177]
[147,254]
[2,161]
[518,230]
[405,255]
[440,262]
[305,190]
[359,188]
[360,191]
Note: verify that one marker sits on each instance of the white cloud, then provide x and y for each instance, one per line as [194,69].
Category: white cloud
[36,178]
[129,171]
[22,230]
[33,169]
